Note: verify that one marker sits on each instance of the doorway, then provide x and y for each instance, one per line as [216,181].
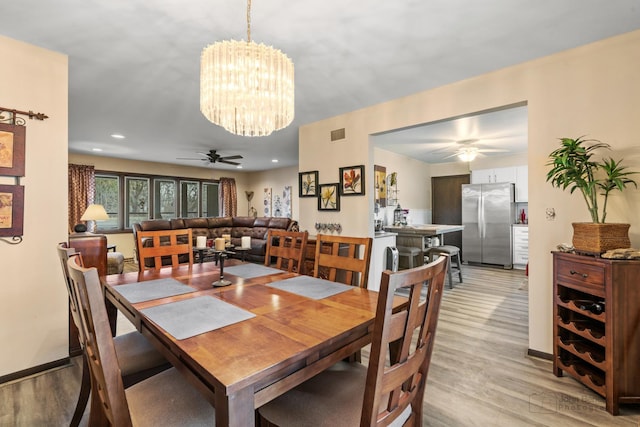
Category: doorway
[446,205]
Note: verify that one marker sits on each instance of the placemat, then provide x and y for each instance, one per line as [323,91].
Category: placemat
[310,287]
[249,270]
[194,316]
[152,289]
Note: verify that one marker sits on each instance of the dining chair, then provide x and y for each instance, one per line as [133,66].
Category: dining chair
[288,248]
[165,399]
[137,357]
[343,259]
[174,244]
[351,394]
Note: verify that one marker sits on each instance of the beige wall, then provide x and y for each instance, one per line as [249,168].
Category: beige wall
[414,185]
[33,299]
[590,90]
[276,180]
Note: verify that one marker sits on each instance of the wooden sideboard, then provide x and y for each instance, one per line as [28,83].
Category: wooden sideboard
[596,313]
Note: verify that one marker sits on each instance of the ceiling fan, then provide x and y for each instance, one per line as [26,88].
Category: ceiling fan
[467,149]
[213,157]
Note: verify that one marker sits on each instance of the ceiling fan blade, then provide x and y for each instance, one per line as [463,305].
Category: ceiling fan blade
[189,158]
[228,162]
[237,156]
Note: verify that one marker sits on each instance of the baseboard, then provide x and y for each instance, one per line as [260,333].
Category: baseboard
[34,370]
[539,354]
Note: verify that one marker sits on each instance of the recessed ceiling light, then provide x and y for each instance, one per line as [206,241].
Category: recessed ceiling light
[274,160]
[96,149]
[117,136]
[239,167]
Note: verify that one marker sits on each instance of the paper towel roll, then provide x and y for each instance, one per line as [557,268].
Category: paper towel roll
[201,241]
[246,242]
[219,242]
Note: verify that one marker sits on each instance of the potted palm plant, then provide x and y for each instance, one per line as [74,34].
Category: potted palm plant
[573,167]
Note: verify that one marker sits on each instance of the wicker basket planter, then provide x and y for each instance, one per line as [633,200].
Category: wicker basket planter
[599,238]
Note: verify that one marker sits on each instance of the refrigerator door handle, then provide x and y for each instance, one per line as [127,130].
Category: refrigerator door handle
[481,216]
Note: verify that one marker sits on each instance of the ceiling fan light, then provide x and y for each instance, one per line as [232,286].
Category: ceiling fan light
[468,154]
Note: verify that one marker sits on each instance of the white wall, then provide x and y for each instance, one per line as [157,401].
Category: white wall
[33,298]
[591,90]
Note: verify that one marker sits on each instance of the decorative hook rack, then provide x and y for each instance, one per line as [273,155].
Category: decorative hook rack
[13,118]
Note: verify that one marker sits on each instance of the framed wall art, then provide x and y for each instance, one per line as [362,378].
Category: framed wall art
[308,184]
[352,181]
[11,210]
[329,197]
[380,185]
[12,141]
[267,202]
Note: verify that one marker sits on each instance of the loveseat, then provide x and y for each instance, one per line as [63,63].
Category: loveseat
[213,227]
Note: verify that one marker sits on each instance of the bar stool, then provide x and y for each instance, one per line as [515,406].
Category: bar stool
[412,255]
[451,252]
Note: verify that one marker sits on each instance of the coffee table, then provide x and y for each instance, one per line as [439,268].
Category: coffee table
[242,251]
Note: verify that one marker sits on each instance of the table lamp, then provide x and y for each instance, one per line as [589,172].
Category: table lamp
[93,213]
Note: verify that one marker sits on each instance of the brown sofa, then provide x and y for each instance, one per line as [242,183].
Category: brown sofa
[236,226]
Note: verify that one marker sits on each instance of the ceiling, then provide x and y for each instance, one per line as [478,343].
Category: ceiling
[134,64]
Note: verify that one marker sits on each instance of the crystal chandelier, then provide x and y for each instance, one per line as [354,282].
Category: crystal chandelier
[245,87]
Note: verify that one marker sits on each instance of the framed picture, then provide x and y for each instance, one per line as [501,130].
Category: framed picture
[12,149]
[380,184]
[352,181]
[308,184]
[329,197]
[11,210]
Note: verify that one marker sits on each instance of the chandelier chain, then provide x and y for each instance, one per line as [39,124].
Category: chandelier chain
[248,21]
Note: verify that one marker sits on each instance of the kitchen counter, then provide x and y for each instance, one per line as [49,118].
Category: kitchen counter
[418,235]
[381,234]
[425,229]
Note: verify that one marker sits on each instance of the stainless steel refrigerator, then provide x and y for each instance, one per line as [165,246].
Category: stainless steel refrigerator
[488,211]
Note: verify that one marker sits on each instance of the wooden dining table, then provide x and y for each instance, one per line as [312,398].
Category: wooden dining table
[284,337]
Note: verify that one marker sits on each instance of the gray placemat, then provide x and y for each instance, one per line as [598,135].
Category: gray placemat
[152,289]
[193,316]
[249,271]
[310,287]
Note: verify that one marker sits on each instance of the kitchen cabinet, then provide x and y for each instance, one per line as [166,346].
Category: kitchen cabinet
[596,313]
[522,184]
[381,241]
[520,246]
[490,176]
[519,175]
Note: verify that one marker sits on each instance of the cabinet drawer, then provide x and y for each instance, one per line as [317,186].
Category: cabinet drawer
[587,275]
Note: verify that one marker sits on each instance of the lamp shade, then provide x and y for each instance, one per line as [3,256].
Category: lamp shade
[94,213]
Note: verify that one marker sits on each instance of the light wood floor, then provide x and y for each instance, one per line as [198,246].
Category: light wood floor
[480,373]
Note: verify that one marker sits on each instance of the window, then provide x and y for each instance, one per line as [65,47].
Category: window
[165,201]
[129,198]
[108,195]
[189,199]
[137,200]
[210,199]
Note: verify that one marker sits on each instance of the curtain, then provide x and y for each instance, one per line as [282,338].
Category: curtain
[228,197]
[82,188]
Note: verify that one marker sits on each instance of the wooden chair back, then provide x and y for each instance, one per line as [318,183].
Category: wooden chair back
[288,247]
[64,253]
[93,248]
[165,244]
[343,259]
[391,389]
[106,378]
